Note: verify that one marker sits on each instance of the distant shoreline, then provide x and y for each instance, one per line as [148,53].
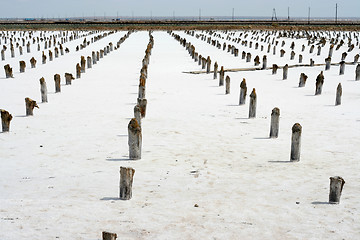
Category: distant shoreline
[88,24]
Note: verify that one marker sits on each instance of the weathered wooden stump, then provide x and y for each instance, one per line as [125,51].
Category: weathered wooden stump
[282,53]
[274,125]
[97,56]
[295,143]
[252,106]
[227,85]
[68,78]
[200,60]
[28,47]
[6,118]
[285,72]
[135,138]
[208,64]
[33,62]
[82,62]
[311,49]
[57,83]
[8,71]
[327,63]
[292,55]
[336,187]
[22,66]
[303,48]
[338,94]
[93,54]
[264,65]
[50,55]
[142,102]
[108,236]
[274,69]
[302,80]
[30,105]
[12,51]
[256,61]
[43,58]
[2,54]
[78,70]
[215,70]
[248,57]
[20,50]
[342,68]
[243,90]
[222,75]
[89,62]
[43,90]
[274,50]
[357,73]
[319,51]
[243,55]
[311,62]
[319,83]
[141,93]
[101,53]
[300,58]
[331,49]
[137,114]
[343,56]
[356,58]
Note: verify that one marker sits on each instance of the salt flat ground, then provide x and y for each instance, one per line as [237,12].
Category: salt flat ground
[60,168]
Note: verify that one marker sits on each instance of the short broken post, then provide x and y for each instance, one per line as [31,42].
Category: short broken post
[252,106]
[68,78]
[222,75]
[215,70]
[274,69]
[57,83]
[327,63]
[89,62]
[22,66]
[295,143]
[78,70]
[30,105]
[302,80]
[126,180]
[43,90]
[6,118]
[82,62]
[243,90]
[319,83]
[274,125]
[135,138]
[338,95]
[33,62]
[227,85]
[108,236]
[285,72]
[336,187]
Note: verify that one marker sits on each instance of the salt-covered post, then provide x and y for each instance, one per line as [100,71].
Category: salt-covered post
[6,118]
[357,73]
[302,80]
[108,236]
[93,57]
[215,70]
[50,55]
[68,78]
[319,51]
[342,68]
[285,72]
[248,57]
[295,143]
[274,69]
[331,49]
[141,93]
[282,52]
[222,75]
[243,90]
[292,55]
[20,50]
[356,58]
[89,62]
[78,70]
[274,126]
[2,54]
[300,58]
[135,138]
[126,180]
[257,61]
[227,85]
[8,71]
[338,95]
[311,62]
[319,83]
[82,62]
[264,65]
[43,58]
[200,60]
[208,64]
[336,187]
[137,114]
[30,105]
[33,62]
[327,63]
[12,52]
[142,102]
[252,106]
[57,83]
[28,47]
[343,56]
[43,90]
[22,66]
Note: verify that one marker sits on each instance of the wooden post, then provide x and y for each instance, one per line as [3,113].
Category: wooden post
[208,64]
[357,73]
[338,95]
[93,57]
[343,56]
[302,80]
[342,68]
[68,78]
[243,90]
[295,143]
[78,71]
[222,75]
[274,69]
[82,62]
[12,52]
[282,52]
[135,138]
[20,50]
[57,83]
[108,236]
[311,62]
[327,63]
[227,85]
[256,61]
[2,54]
[142,102]
[8,71]
[141,93]
[300,58]
[30,105]
[28,47]
[6,118]
[319,83]
[264,65]
[336,187]
[200,60]
[215,70]
[248,57]
[43,58]
[50,55]
[319,51]
[356,58]
[22,66]
[101,53]
[243,55]
[89,62]
[252,106]
[56,50]
[285,72]
[43,90]
[292,55]
[137,114]
[274,126]
[331,49]
[33,62]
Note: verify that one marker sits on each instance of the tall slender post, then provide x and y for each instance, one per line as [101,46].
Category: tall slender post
[252,106]
[338,95]
[135,139]
[243,90]
[126,180]
[227,86]
[295,142]
[43,90]
[274,127]
[57,83]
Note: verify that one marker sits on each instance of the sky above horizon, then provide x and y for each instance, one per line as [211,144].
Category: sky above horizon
[167,8]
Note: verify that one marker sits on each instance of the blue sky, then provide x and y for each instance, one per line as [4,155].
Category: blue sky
[89,8]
